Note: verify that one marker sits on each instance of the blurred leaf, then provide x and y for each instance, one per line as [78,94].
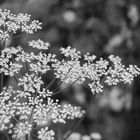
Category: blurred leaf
[113,12]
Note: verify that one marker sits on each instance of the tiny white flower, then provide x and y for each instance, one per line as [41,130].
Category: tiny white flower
[39,44]
[45,134]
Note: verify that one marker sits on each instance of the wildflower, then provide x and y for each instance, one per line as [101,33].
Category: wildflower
[92,72]
[22,18]
[31,83]
[25,57]
[6,109]
[7,66]
[12,23]
[22,129]
[42,64]
[39,44]
[69,71]
[119,73]
[73,53]
[4,35]
[96,87]
[54,111]
[66,112]
[89,58]
[45,134]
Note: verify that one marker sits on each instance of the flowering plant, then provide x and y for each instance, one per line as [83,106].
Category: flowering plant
[31,106]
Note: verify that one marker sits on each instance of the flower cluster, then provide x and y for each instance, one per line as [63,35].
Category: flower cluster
[32,111]
[119,73]
[22,129]
[8,67]
[11,23]
[42,62]
[6,108]
[32,105]
[46,134]
[39,44]
[91,71]
[56,112]
[30,83]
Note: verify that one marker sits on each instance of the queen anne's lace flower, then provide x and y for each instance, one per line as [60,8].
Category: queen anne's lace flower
[93,72]
[89,58]
[70,52]
[96,87]
[4,35]
[6,110]
[11,23]
[39,44]
[22,129]
[46,134]
[69,71]
[30,83]
[8,67]
[118,73]
[42,63]
[22,18]
[25,57]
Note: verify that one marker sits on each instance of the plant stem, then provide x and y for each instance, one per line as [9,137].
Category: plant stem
[50,84]
[16,36]
[6,134]
[27,67]
[2,75]
[1,81]
[65,87]
[75,126]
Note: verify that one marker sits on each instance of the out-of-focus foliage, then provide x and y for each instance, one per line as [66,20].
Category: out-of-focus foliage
[101,27]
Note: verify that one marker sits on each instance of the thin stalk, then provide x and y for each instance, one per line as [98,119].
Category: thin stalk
[26,137]
[1,81]
[27,67]
[78,123]
[58,86]
[61,83]
[7,136]
[66,87]
[75,126]
[15,119]
[31,116]
[50,84]
[17,82]
[16,36]
[16,79]
[1,75]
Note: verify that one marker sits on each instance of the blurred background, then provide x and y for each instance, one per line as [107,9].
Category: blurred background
[101,27]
